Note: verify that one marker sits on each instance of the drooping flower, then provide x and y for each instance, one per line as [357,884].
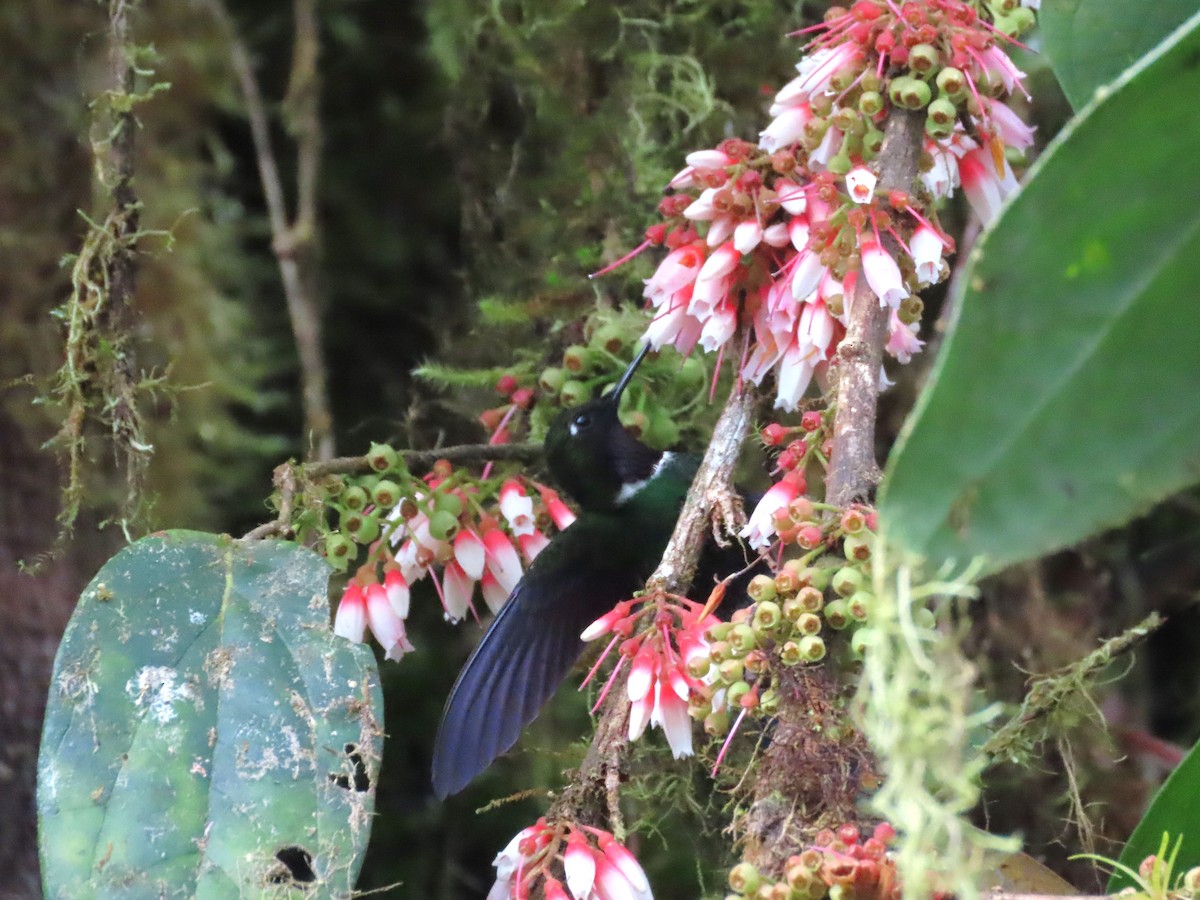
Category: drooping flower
[560,513]
[860,184]
[516,507]
[760,527]
[595,864]
[457,588]
[350,621]
[501,559]
[926,247]
[469,553]
[984,186]
[882,273]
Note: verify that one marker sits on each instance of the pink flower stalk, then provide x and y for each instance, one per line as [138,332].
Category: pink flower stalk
[860,184]
[882,273]
[516,507]
[350,621]
[927,247]
[760,528]
[397,592]
[532,544]
[984,187]
[469,553]
[501,559]
[457,588]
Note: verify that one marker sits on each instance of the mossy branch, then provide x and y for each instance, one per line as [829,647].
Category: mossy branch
[291,477]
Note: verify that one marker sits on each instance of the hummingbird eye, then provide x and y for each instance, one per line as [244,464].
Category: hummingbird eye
[580,422]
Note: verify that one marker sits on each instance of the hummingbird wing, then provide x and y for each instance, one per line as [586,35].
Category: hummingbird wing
[530,647]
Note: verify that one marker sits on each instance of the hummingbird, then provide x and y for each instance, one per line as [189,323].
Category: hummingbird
[629,497]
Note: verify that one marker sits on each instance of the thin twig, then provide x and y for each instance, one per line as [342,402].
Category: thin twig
[290,476]
[293,243]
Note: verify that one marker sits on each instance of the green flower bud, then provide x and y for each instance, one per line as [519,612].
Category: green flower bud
[910,93]
[860,640]
[742,640]
[857,547]
[837,614]
[769,702]
[767,614]
[716,724]
[910,310]
[924,618]
[448,503]
[761,587]
[608,338]
[385,494]
[942,112]
[698,666]
[552,380]
[355,497]
[846,120]
[819,576]
[731,670]
[574,393]
[443,525]
[735,693]
[808,623]
[718,651]
[812,648]
[870,103]
[718,632]
[744,878]
[339,551]
[872,144]
[790,655]
[952,82]
[846,581]
[333,485]
[367,530]
[938,130]
[858,604]
[811,599]
[923,58]
[577,359]
[382,458]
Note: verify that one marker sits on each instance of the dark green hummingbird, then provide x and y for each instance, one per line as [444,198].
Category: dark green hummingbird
[629,497]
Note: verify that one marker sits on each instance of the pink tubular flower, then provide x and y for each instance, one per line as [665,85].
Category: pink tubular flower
[501,559]
[387,627]
[532,544]
[860,184]
[579,864]
[816,71]
[1006,123]
[675,325]
[785,129]
[760,527]
[350,621]
[397,591]
[882,273]
[984,187]
[469,553]
[595,865]
[457,588]
[902,339]
[927,247]
[997,65]
[560,513]
[678,270]
[516,507]
[494,593]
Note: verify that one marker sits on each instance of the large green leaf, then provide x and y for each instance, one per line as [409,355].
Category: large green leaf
[1067,396]
[206,734]
[1091,42]
[1173,811]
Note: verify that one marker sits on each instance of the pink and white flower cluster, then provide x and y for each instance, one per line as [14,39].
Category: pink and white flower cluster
[595,866]
[473,551]
[660,684]
[776,237]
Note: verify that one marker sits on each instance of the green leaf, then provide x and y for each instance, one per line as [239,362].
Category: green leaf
[1091,42]
[206,734]
[1065,399]
[1173,812]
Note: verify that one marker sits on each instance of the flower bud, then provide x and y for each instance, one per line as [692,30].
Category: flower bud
[731,670]
[608,338]
[573,393]
[837,615]
[385,494]
[443,525]
[910,310]
[448,502]
[333,485]
[860,640]
[355,497]
[698,666]
[870,103]
[786,583]
[942,112]
[858,605]
[952,83]
[382,458]
[790,655]
[846,581]
[767,613]
[577,359]
[923,58]
[812,648]
[774,434]
[735,693]
[857,547]
[718,632]
[808,623]
[338,550]
[552,380]
[744,878]
[742,640]
[755,661]
[716,724]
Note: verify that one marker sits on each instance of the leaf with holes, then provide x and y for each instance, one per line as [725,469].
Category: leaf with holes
[206,734]
[1064,400]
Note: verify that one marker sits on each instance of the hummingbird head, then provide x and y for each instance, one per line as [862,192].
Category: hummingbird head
[590,454]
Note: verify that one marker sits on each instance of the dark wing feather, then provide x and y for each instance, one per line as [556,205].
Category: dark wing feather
[522,659]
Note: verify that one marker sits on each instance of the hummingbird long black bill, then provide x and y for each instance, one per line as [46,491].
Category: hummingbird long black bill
[628,376]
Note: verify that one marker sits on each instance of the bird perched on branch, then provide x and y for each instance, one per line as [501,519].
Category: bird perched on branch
[630,496]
